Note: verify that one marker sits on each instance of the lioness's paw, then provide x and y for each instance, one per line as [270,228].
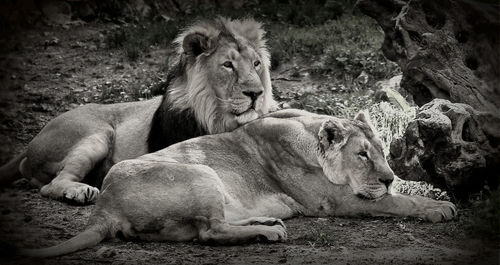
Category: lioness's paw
[269,221]
[275,233]
[438,211]
[81,194]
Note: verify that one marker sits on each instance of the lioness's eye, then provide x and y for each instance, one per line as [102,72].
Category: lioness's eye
[228,64]
[256,63]
[363,154]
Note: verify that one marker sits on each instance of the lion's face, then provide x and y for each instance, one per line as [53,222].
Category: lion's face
[235,75]
[227,75]
[352,154]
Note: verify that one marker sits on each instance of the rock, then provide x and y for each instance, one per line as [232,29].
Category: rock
[446,49]
[451,146]
[284,105]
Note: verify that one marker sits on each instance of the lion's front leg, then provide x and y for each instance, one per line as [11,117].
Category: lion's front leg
[399,205]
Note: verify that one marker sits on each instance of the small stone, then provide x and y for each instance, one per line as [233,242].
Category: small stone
[78,44]
[285,105]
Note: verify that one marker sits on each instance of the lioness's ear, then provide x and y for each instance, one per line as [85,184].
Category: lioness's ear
[195,44]
[331,133]
[364,117]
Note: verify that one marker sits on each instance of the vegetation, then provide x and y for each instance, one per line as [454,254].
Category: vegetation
[345,41]
[135,40]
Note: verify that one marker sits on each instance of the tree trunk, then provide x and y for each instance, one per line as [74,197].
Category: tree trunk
[446,49]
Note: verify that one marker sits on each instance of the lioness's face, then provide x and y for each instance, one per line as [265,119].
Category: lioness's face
[352,154]
[367,170]
[235,74]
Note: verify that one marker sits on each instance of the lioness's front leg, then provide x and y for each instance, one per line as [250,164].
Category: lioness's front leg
[398,205]
[80,161]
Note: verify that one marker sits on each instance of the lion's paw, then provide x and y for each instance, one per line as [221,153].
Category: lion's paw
[71,192]
[275,233]
[81,194]
[438,211]
[269,221]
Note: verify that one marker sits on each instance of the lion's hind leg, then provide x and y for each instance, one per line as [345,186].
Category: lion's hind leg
[75,166]
[269,221]
[220,232]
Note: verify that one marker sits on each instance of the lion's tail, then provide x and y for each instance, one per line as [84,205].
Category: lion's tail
[88,238]
[13,169]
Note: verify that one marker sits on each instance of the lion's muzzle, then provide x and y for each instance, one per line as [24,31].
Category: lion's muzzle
[253,95]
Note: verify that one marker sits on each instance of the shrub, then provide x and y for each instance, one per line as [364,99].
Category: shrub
[390,121]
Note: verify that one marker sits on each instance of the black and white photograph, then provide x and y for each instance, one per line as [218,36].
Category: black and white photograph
[250,132]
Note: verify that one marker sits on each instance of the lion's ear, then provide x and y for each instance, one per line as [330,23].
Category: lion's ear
[195,44]
[364,117]
[331,133]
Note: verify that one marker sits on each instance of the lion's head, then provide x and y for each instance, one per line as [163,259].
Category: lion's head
[350,152]
[222,73]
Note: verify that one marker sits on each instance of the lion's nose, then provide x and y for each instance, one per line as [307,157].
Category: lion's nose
[252,94]
[386,180]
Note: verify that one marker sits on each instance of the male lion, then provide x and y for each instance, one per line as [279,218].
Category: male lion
[233,187]
[221,81]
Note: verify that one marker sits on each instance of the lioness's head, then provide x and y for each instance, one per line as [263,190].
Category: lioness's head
[351,153]
[225,75]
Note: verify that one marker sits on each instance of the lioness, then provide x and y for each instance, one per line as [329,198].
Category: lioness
[220,82]
[234,187]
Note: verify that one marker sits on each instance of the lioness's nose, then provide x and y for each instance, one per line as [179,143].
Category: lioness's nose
[252,94]
[386,180]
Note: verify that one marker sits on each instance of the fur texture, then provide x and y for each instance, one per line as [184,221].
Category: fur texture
[233,188]
[221,81]
[201,88]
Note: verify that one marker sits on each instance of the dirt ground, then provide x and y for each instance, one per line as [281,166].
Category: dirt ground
[47,71]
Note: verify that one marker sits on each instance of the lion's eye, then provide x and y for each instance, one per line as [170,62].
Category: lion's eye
[256,63]
[363,154]
[228,64]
